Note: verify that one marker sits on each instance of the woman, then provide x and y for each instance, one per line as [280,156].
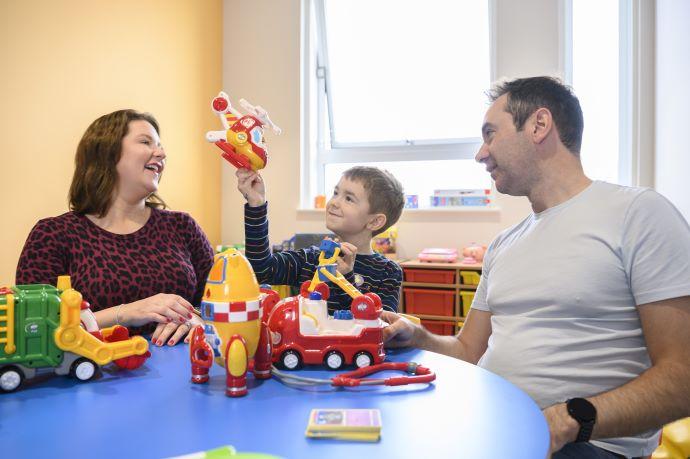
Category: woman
[137,264]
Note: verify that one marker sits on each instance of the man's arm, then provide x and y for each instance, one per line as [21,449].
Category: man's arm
[468,345]
[656,397]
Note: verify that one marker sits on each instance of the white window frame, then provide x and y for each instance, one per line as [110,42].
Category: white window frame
[317,145]
[636,86]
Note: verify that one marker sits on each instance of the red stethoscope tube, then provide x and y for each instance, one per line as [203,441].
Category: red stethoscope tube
[420,374]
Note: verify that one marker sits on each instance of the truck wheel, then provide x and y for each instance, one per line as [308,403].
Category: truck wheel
[83,369]
[291,360]
[363,359]
[334,360]
[10,379]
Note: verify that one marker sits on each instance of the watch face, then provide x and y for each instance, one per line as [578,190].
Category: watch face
[582,410]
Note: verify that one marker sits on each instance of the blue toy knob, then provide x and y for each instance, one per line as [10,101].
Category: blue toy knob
[342,315]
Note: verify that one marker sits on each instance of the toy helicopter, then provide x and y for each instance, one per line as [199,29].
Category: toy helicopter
[242,139]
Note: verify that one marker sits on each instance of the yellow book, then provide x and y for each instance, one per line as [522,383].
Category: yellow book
[352,436]
[345,424]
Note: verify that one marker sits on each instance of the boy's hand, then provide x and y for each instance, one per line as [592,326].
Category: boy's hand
[252,187]
[346,260]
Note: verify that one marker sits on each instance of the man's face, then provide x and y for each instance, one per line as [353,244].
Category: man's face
[507,154]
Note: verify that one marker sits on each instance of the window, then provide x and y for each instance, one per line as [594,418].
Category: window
[598,68]
[406,94]
[443,174]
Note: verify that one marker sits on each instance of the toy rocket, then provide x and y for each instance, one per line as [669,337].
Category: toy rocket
[232,307]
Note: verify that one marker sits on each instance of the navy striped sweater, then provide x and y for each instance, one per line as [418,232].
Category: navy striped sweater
[371,273]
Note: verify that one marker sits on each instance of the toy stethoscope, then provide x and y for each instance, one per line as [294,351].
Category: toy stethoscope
[419,375]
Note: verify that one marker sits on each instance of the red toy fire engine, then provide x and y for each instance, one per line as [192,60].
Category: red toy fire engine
[302,331]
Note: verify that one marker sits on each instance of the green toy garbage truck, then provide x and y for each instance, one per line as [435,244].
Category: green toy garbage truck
[43,326]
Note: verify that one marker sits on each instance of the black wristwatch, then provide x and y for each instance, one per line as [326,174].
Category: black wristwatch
[585,414]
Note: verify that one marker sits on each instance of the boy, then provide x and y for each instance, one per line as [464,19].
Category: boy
[366,202]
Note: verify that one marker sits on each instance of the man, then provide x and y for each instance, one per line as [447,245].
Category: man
[584,304]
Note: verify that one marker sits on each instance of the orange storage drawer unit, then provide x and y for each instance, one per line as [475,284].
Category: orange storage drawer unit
[431,276]
[439,327]
[428,301]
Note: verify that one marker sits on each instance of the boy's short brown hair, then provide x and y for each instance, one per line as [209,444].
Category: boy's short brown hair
[384,192]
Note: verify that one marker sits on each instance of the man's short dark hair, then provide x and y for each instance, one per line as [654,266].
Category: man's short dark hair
[385,193]
[526,95]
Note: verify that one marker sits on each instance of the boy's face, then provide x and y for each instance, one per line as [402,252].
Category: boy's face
[347,212]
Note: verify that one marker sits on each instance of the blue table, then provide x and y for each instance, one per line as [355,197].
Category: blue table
[156,412]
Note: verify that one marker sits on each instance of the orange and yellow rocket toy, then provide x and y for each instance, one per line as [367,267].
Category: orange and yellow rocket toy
[232,307]
[242,139]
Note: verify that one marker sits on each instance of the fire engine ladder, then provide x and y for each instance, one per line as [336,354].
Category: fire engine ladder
[7,322]
[341,282]
[324,263]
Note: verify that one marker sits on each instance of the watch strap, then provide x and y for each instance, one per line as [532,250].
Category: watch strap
[585,432]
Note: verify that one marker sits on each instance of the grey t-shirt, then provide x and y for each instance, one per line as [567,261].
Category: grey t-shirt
[562,288]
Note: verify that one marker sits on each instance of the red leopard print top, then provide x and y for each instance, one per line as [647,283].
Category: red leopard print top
[169,254]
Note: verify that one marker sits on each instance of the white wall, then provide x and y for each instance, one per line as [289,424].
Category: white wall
[672,164]
[261,63]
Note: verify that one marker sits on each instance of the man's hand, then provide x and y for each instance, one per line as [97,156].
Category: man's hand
[346,260]
[252,187]
[563,428]
[400,332]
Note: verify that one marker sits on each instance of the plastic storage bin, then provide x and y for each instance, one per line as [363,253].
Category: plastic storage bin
[432,276]
[439,327]
[429,301]
[470,277]
[466,298]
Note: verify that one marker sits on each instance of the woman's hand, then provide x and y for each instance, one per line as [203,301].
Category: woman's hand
[172,332]
[162,308]
[252,187]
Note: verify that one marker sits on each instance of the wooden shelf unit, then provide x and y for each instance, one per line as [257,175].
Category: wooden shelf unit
[413,268]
